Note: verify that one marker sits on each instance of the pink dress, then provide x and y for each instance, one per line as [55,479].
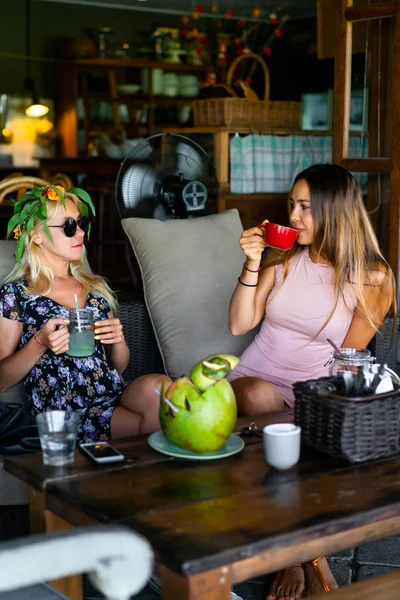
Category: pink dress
[290,346]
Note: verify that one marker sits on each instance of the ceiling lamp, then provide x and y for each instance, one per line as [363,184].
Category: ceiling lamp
[35,108]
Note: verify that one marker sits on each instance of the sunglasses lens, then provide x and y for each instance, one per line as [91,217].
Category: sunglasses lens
[84,223]
[70,227]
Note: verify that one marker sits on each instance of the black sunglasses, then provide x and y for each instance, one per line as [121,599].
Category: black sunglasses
[70,226]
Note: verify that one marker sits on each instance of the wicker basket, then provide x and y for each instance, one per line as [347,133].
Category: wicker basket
[241,112]
[357,430]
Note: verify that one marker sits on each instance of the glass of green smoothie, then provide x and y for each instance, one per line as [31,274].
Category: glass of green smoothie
[81,333]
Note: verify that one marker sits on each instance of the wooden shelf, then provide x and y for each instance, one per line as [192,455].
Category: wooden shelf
[142,99]
[247,130]
[134,63]
[73,82]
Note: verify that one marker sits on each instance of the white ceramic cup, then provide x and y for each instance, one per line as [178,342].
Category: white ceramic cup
[282,445]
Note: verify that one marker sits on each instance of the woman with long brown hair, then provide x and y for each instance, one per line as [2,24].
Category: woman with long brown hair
[334,283]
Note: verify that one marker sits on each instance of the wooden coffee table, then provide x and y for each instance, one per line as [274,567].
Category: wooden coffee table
[220,522]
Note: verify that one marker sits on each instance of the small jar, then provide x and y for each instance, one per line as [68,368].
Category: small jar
[349,359]
[81,333]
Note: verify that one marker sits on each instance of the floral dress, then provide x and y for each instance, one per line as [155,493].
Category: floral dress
[88,386]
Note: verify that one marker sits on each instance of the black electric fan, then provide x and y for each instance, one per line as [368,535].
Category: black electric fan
[166,176]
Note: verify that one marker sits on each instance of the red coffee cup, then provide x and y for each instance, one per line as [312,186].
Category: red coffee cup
[279,236]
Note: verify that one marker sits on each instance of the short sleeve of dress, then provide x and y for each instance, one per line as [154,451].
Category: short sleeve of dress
[104,305]
[10,307]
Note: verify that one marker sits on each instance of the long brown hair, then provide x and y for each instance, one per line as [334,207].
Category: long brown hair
[344,236]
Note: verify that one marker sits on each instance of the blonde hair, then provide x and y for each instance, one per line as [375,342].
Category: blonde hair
[40,274]
[344,236]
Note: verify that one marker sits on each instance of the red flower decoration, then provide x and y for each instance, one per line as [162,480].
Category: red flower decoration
[228,14]
[184,33]
[222,59]
[242,23]
[267,51]
[248,81]
[200,8]
[238,41]
[278,33]
[274,19]
[219,24]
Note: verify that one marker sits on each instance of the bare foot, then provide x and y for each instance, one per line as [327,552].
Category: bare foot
[313,582]
[292,584]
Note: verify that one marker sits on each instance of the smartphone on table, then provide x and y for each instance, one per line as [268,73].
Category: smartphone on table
[102,452]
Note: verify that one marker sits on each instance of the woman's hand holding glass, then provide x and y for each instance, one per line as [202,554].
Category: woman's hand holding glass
[54,335]
[109,331]
[252,243]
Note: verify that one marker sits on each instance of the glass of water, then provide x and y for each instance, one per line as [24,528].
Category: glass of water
[81,333]
[57,431]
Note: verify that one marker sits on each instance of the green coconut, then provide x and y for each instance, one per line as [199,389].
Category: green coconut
[201,422]
[212,369]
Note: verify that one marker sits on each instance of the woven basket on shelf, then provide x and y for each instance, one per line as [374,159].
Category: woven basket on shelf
[356,429]
[242,112]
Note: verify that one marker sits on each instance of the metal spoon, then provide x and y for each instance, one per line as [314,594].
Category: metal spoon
[336,348]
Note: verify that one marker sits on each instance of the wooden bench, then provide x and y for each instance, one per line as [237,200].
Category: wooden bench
[384,587]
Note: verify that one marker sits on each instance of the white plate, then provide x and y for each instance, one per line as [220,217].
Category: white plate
[159,442]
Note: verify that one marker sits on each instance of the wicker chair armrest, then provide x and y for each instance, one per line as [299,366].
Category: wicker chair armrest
[384,343]
[145,355]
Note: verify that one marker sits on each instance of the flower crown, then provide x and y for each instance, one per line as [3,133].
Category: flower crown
[33,206]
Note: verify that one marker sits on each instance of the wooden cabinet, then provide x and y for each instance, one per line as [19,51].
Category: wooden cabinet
[76,79]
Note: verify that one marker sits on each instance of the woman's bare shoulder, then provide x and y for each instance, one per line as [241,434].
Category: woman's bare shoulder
[379,275]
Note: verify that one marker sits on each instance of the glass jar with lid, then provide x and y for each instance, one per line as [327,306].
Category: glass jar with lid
[349,359]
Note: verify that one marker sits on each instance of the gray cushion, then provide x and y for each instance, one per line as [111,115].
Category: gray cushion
[189,269]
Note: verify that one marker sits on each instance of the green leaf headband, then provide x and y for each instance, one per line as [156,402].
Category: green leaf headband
[33,206]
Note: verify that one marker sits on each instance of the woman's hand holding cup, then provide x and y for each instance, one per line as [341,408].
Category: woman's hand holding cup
[54,335]
[252,244]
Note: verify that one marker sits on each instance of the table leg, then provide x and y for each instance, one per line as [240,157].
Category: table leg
[37,501]
[70,586]
[215,584]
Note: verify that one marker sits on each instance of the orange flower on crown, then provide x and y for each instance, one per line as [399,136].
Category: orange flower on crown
[51,193]
[17,232]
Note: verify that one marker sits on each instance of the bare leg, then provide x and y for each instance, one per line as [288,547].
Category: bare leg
[254,396]
[313,582]
[138,411]
[287,584]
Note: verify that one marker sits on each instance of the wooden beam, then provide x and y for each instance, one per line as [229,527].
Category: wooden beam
[365,12]
[394,221]
[342,84]
[66,111]
[368,165]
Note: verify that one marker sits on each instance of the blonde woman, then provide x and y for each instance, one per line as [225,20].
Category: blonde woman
[50,226]
[334,283]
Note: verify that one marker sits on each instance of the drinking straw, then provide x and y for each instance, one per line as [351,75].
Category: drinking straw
[77,312]
[172,406]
